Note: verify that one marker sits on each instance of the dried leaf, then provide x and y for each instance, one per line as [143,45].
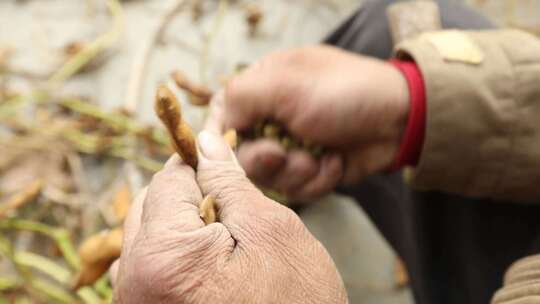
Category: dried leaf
[75,48]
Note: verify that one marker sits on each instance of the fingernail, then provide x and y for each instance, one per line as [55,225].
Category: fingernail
[213,147]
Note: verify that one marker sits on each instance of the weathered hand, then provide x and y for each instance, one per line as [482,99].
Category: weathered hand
[259,252]
[354,105]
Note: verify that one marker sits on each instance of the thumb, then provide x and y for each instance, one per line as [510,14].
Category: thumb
[219,173]
[239,202]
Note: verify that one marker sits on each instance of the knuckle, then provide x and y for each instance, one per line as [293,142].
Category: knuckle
[277,223]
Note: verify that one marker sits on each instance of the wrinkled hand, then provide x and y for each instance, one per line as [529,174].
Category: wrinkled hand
[354,105]
[260,252]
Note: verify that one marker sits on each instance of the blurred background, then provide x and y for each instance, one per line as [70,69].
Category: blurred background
[79,138]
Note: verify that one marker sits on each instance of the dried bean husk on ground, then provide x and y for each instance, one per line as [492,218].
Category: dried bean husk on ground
[26,196]
[99,251]
[198,95]
[121,203]
[97,254]
[253,16]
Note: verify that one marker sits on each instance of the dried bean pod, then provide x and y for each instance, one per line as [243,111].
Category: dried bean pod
[199,95]
[97,253]
[207,210]
[27,195]
[231,137]
[121,203]
[271,131]
[168,110]
[254,16]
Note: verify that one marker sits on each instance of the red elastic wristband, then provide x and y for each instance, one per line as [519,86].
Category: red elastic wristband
[413,138]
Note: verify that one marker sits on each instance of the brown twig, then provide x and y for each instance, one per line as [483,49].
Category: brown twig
[141,60]
[86,54]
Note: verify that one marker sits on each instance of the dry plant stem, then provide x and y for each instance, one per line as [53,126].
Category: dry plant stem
[27,195]
[116,121]
[89,144]
[59,235]
[93,49]
[168,110]
[207,210]
[140,64]
[39,288]
[79,174]
[209,38]
[23,260]
[7,250]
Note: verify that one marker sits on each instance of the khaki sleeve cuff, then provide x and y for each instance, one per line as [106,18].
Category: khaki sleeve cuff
[483,113]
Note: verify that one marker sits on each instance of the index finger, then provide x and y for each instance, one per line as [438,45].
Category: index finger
[256,94]
[216,115]
[172,199]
